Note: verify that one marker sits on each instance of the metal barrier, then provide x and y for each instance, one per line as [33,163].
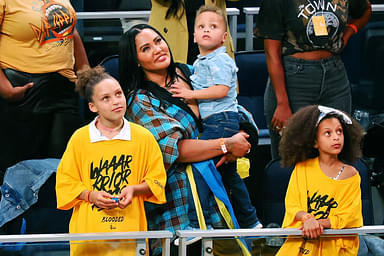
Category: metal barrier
[140,238]
[231,12]
[251,11]
[207,235]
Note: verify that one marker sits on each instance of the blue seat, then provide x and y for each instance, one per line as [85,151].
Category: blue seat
[275,183]
[364,59]
[111,65]
[252,77]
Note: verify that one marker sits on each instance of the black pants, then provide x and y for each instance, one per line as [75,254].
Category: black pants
[40,125]
[34,136]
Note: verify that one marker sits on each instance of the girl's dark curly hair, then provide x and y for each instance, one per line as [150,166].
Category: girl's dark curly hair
[299,137]
[87,79]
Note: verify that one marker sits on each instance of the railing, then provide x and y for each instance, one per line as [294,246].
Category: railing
[231,12]
[140,238]
[207,235]
[251,11]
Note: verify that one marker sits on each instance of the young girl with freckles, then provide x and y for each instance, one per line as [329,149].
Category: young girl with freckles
[110,167]
[324,189]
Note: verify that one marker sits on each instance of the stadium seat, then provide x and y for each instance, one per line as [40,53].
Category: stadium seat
[111,65]
[364,59]
[252,77]
[276,179]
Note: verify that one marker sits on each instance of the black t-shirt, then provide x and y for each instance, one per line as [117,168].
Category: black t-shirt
[191,7]
[291,21]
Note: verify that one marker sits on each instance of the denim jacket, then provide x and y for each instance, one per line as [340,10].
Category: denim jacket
[21,185]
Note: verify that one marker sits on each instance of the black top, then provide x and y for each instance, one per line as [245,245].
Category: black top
[291,21]
[191,7]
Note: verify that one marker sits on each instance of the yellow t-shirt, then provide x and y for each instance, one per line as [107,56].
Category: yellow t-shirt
[337,200]
[37,36]
[109,166]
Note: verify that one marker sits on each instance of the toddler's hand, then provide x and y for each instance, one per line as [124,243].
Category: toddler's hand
[180,91]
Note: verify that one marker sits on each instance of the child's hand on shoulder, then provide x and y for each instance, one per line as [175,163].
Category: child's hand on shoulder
[125,198]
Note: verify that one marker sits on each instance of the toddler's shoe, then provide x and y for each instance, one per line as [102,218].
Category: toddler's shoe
[258,225]
[191,240]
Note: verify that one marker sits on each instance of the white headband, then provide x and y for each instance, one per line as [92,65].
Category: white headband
[324,111]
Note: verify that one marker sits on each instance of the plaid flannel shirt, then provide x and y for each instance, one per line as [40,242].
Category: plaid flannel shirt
[169,123]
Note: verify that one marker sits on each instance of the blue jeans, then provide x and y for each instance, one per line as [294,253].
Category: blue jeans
[224,125]
[322,82]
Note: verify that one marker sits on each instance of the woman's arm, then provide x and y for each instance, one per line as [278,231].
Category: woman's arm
[358,23]
[81,58]
[191,150]
[8,92]
[276,73]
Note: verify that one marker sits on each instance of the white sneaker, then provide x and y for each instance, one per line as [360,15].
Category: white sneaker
[190,240]
[257,226]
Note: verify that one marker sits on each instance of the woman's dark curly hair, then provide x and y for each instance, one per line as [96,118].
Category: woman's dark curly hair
[299,137]
[87,79]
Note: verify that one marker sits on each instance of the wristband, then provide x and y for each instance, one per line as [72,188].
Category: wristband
[306,217]
[87,196]
[222,145]
[353,27]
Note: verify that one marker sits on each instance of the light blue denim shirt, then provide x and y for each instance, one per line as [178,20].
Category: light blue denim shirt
[21,186]
[214,69]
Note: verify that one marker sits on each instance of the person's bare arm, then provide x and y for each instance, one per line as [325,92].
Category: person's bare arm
[81,59]
[359,23]
[8,92]
[213,92]
[276,72]
[191,150]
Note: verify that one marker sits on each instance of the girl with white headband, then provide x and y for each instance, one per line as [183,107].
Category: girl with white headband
[324,189]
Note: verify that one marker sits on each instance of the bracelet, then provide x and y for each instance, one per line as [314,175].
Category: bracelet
[222,145]
[353,27]
[87,196]
[306,217]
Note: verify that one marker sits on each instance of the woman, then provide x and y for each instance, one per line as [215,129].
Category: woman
[40,52]
[175,19]
[147,69]
[302,41]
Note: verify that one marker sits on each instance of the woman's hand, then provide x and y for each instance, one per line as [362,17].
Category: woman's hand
[237,145]
[280,117]
[10,93]
[102,199]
